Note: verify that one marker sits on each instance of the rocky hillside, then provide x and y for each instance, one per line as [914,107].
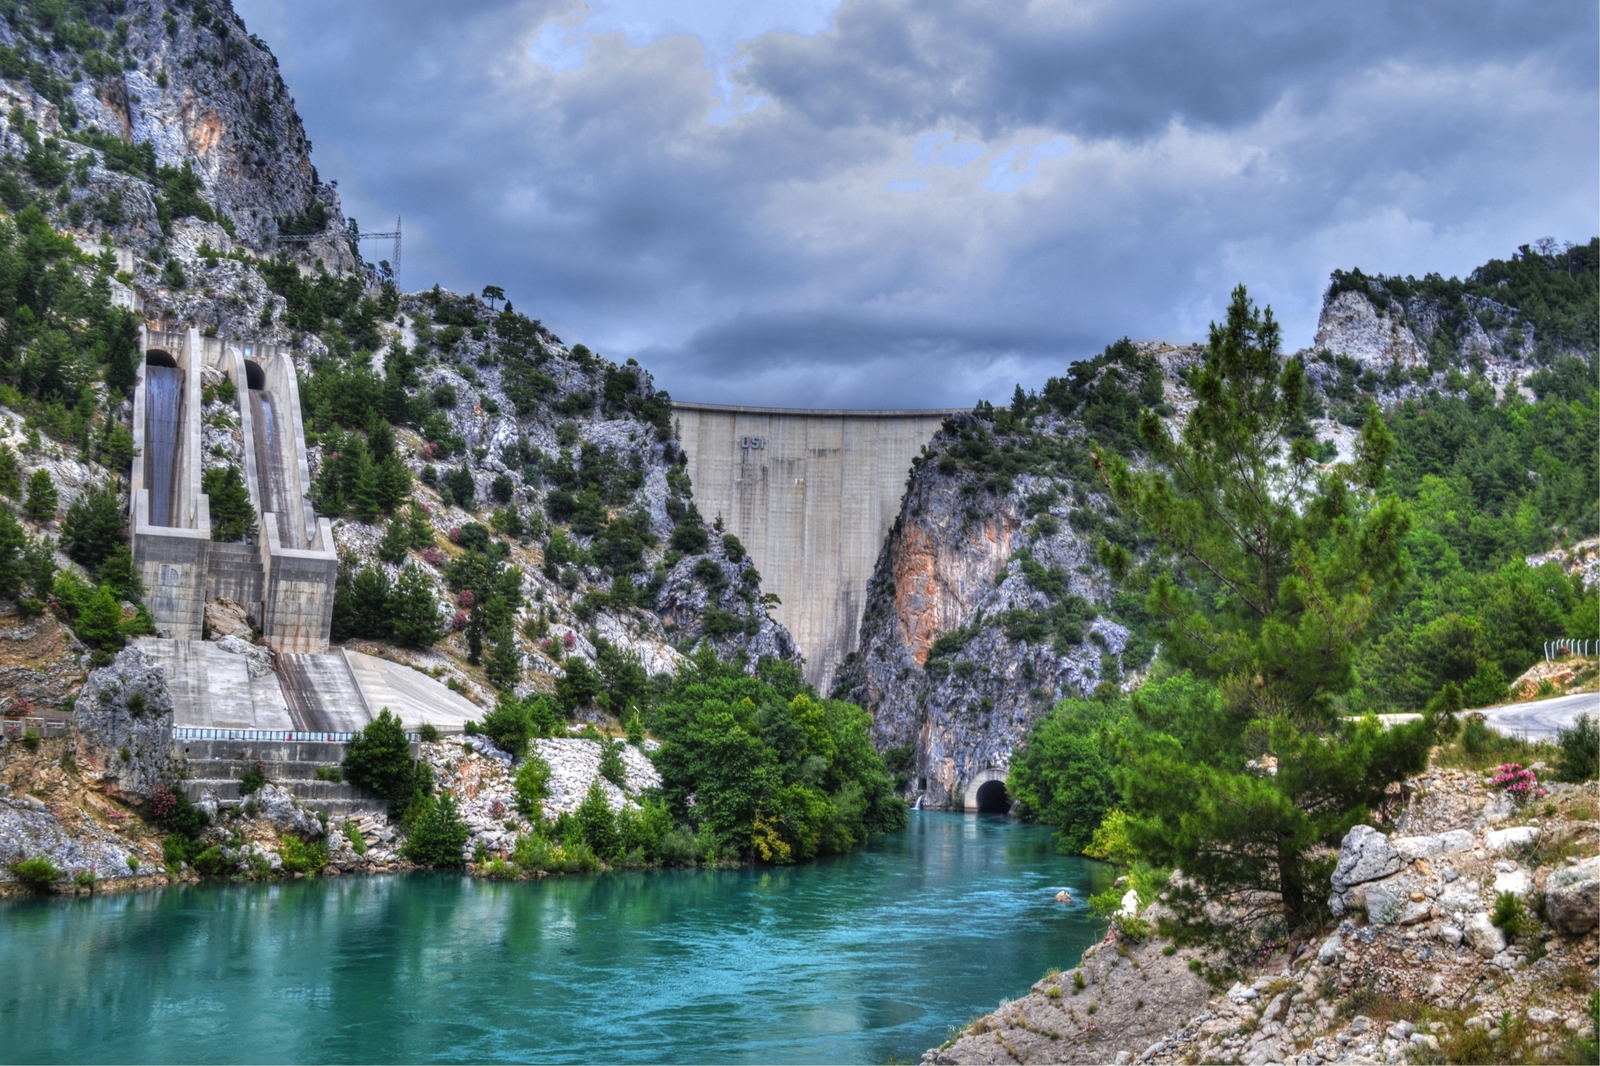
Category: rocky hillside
[160,138]
[1468,935]
[988,603]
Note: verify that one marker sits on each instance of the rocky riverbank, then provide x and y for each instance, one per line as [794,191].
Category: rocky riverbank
[1466,933]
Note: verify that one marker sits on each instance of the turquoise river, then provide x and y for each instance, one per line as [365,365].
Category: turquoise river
[864,958]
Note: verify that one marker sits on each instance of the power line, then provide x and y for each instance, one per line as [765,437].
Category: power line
[394,235]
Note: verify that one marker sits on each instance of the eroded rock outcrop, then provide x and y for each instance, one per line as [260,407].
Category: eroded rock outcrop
[122,723]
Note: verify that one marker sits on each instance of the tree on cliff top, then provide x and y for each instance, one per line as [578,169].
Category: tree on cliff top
[1276,569]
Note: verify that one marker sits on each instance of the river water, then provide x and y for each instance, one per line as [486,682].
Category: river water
[862,958]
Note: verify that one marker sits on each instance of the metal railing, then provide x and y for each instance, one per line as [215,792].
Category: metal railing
[275,735]
[16,728]
[1554,648]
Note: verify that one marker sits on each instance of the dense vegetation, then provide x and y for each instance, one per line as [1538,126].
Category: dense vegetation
[1288,594]
[1549,288]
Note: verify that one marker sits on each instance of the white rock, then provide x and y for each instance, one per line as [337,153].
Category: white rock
[1364,855]
[1411,848]
[1501,841]
[1483,935]
[1517,882]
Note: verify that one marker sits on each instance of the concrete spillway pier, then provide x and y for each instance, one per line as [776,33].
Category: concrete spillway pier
[811,495]
[171,518]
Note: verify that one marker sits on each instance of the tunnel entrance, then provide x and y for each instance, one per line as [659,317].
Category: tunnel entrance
[254,376]
[157,357]
[992,798]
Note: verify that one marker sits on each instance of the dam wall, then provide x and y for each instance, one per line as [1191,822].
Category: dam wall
[811,495]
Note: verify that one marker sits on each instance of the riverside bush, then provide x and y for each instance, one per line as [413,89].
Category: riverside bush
[437,834]
[379,759]
[38,873]
[532,785]
[765,748]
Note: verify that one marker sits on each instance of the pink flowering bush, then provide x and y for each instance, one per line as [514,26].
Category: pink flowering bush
[163,803]
[569,641]
[465,599]
[460,620]
[430,450]
[432,556]
[1518,783]
[455,534]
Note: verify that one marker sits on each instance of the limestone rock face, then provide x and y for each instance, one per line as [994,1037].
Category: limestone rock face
[41,662]
[1364,855]
[123,725]
[951,570]
[1350,325]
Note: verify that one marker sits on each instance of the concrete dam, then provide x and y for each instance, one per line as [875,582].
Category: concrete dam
[811,495]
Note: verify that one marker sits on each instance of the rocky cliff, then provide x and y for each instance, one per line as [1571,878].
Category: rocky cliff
[987,604]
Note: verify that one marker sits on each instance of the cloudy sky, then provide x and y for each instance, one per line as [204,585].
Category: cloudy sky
[882,203]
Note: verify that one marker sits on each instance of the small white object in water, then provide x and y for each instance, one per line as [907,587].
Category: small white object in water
[1063,896]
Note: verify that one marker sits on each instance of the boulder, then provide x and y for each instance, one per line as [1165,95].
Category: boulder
[1411,848]
[1574,908]
[226,618]
[1331,951]
[1501,841]
[122,722]
[1517,882]
[1385,902]
[258,660]
[1486,939]
[274,804]
[1364,855]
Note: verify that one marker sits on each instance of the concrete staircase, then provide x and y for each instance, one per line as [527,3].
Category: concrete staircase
[219,765]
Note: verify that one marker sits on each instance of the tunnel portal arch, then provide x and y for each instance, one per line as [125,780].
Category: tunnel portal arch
[158,357]
[986,793]
[254,376]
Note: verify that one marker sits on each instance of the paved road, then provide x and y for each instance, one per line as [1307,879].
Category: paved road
[1542,719]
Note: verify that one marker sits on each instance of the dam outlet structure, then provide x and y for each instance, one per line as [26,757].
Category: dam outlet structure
[291,684]
[811,494]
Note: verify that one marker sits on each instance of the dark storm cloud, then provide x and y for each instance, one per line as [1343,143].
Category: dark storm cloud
[931,203]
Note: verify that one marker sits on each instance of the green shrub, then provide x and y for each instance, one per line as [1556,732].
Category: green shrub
[255,776]
[509,725]
[37,873]
[678,848]
[330,773]
[301,857]
[532,785]
[379,759]
[612,767]
[210,862]
[30,738]
[428,732]
[1580,751]
[437,834]
[358,843]
[599,822]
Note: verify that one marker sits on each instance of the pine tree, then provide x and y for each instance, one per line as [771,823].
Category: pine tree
[1283,568]
[396,541]
[438,834]
[504,668]
[42,497]
[414,610]
[232,517]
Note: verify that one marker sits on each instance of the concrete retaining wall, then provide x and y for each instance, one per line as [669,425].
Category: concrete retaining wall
[811,495]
